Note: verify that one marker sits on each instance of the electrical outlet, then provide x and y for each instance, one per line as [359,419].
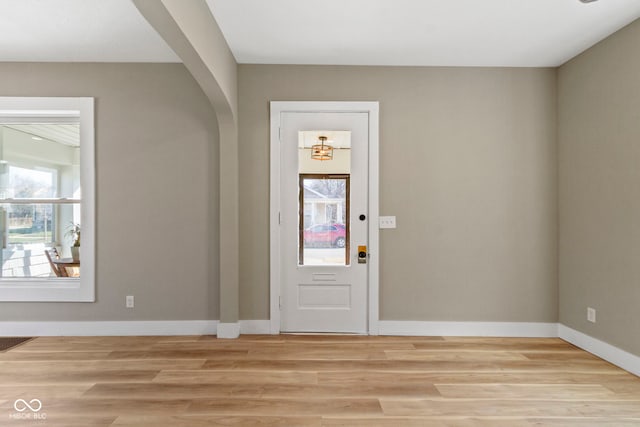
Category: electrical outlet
[129,301]
[387,221]
[591,314]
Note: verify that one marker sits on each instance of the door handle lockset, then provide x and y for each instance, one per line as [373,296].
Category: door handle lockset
[362,254]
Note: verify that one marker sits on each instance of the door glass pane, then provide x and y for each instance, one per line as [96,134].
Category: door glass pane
[324,166]
[324,231]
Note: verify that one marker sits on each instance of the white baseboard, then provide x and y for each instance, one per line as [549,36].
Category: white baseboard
[228,330]
[128,328]
[468,329]
[618,357]
[108,328]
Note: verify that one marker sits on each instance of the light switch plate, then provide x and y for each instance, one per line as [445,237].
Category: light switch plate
[387,221]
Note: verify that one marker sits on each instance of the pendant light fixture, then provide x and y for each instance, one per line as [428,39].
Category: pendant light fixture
[322,151]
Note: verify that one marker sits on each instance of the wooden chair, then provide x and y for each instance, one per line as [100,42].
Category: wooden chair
[51,255]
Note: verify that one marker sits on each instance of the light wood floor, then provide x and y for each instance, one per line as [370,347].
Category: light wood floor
[302,380]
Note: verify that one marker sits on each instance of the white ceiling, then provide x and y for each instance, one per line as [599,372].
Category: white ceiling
[357,32]
[518,33]
[78,31]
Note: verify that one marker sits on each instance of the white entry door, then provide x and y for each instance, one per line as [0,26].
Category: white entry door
[324,221]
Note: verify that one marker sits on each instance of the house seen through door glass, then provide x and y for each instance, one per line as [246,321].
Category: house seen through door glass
[324,165]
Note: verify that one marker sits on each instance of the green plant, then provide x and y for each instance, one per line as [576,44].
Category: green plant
[73,231]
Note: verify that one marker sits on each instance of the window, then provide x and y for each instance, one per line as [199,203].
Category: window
[46,199]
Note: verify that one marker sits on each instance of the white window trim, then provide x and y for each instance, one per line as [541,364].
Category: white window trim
[80,289]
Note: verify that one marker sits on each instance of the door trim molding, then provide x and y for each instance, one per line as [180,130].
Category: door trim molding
[275,276]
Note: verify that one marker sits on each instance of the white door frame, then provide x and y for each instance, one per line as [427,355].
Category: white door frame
[277,108]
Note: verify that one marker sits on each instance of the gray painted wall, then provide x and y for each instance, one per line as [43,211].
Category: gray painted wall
[599,182]
[157,189]
[469,167]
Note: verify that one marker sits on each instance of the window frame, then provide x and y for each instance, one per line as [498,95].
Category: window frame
[58,289]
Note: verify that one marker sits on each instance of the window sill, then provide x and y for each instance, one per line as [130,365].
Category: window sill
[46,290]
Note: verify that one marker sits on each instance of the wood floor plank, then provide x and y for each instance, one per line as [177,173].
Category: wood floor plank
[54,355]
[335,363]
[173,391]
[314,365]
[286,347]
[504,340]
[70,376]
[67,347]
[511,408]
[306,353]
[295,407]
[178,354]
[337,338]
[66,421]
[99,365]
[586,422]
[564,355]
[260,389]
[455,355]
[624,387]
[389,390]
[422,422]
[235,377]
[498,344]
[382,377]
[216,421]
[114,407]
[477,422]
[527,391]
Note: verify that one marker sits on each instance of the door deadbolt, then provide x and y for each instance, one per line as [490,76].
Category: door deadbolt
[362,254]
